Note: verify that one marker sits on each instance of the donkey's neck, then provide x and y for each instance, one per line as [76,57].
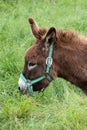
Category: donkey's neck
[72,65]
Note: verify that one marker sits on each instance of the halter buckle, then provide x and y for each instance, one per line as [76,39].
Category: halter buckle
[49,61]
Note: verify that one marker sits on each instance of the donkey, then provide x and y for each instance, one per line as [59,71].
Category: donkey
[55,53]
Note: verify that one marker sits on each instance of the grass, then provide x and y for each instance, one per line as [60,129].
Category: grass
[63,106]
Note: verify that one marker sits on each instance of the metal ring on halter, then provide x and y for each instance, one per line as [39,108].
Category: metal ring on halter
[29,82]
[49,61]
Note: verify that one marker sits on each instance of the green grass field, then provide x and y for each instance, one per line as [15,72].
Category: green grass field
[63,106]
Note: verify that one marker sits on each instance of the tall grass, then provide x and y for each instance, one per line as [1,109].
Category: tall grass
[63,106]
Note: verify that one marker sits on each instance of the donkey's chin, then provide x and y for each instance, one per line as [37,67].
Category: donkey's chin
[39,86]
[23,91]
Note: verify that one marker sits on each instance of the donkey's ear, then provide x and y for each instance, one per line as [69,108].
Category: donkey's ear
[34,28]
[51,36]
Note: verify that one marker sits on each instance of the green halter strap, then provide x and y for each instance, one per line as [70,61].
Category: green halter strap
[46,75]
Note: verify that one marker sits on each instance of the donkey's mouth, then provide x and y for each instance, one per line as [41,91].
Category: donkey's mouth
[23,91]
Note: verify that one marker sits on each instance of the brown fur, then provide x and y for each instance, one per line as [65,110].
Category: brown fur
[69,57]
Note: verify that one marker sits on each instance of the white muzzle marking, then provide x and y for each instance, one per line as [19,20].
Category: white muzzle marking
[22,84]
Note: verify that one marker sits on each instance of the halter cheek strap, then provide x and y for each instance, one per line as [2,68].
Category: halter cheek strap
[46,75]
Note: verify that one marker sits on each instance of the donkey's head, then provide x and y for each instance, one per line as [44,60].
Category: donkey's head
[35,58]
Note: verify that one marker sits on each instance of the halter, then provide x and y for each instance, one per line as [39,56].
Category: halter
[29,83]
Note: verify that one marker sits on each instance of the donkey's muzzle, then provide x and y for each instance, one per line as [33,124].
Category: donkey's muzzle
[24,85]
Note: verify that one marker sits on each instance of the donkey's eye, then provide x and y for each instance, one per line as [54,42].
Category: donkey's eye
[31,66]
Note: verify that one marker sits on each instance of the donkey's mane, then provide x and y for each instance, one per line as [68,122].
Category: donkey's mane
[71,40]
[68,37]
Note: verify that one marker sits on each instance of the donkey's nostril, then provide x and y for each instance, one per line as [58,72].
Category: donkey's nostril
[18,88]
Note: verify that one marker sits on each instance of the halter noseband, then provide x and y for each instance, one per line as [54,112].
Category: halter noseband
[46,75]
